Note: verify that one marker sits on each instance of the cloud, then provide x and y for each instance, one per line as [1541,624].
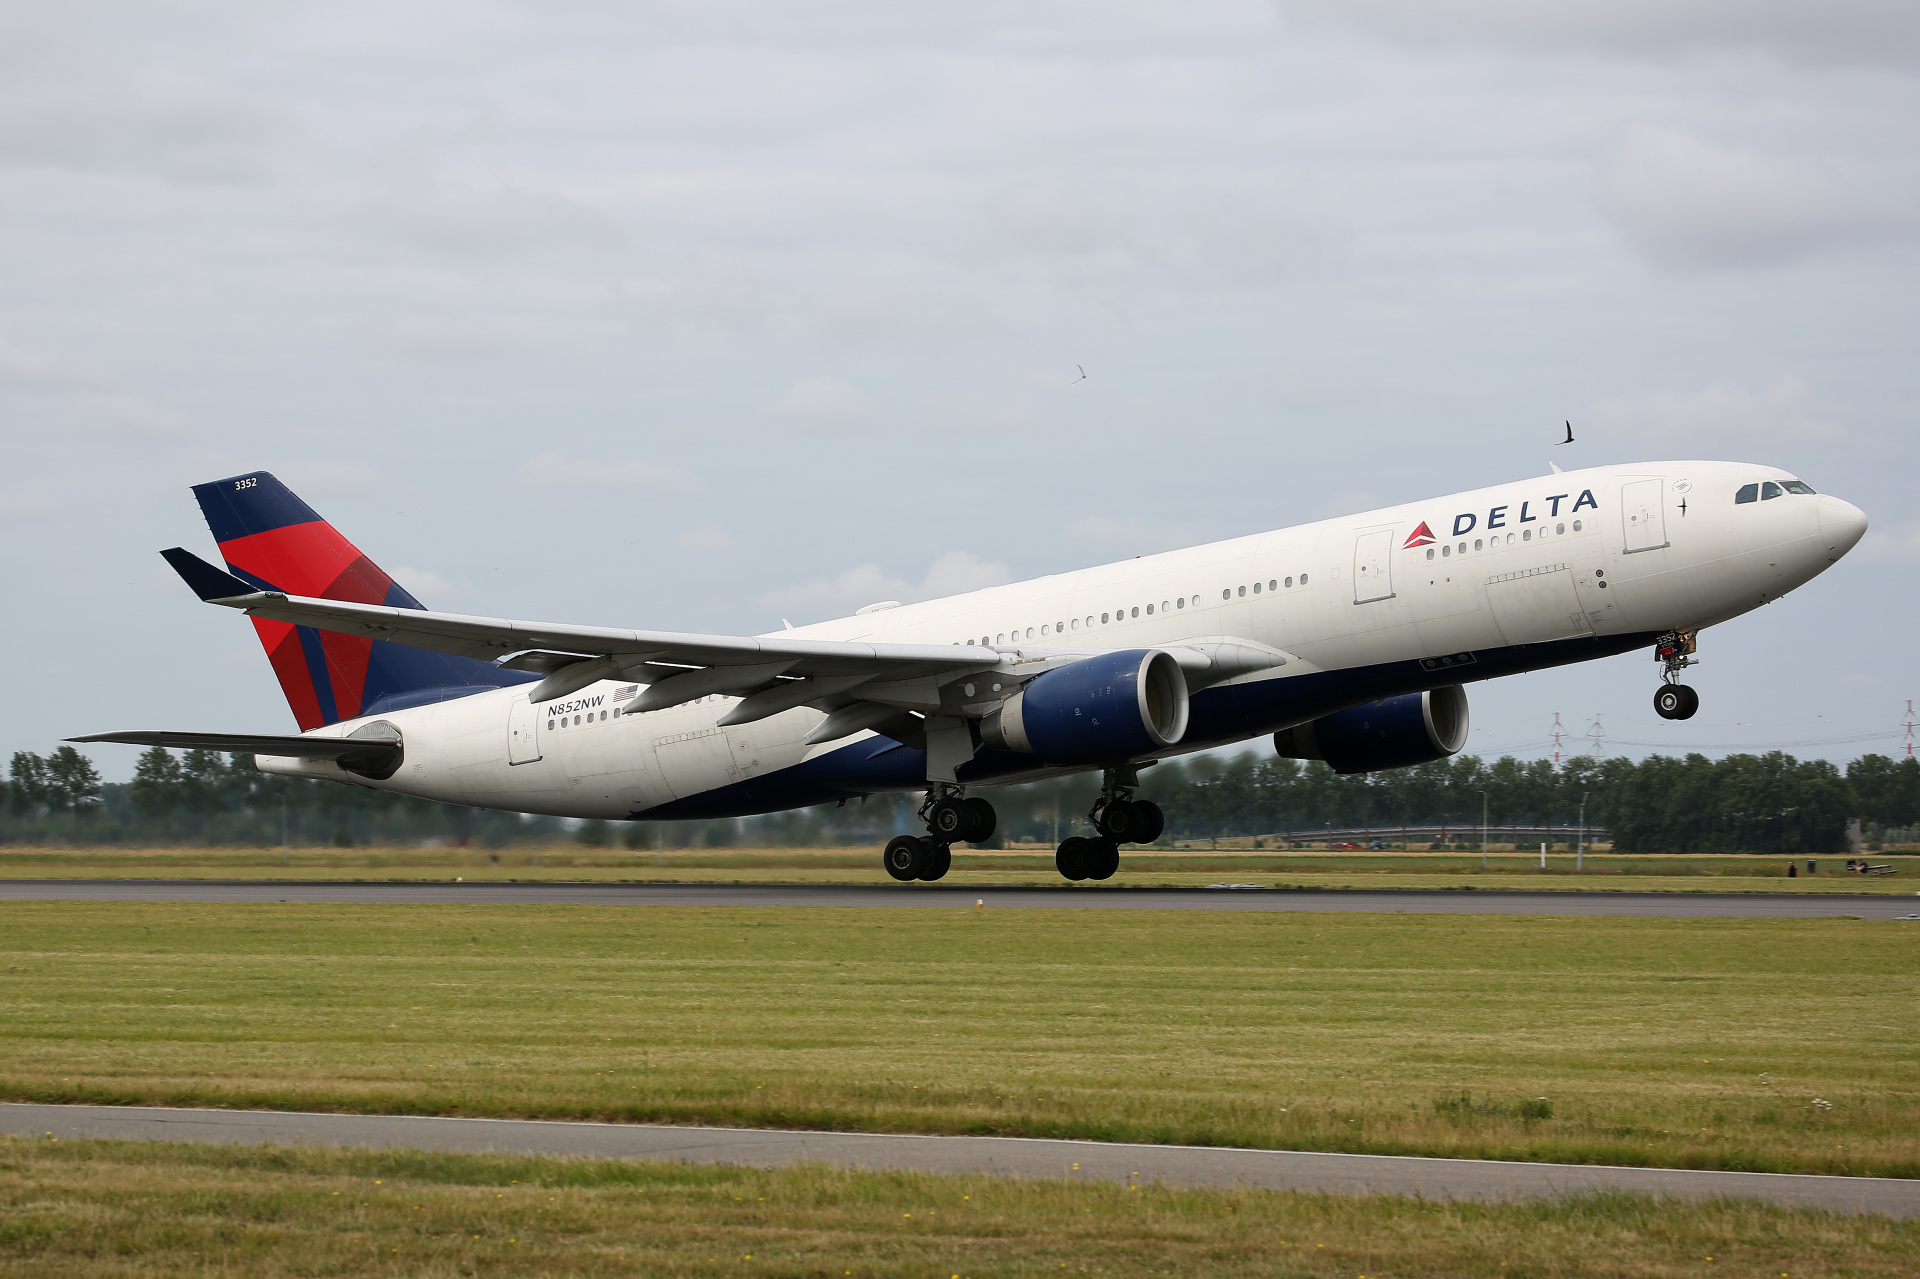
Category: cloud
[462,337]
[1852,30]
[1783,413]
[25,507]
[826,406]
[1134,532]
[424,584]
[1900,544]
[27,370]
[954,573]
[1308,390]
[491,217]
[158,122]
[549,472]
[702,541]
[1686,204]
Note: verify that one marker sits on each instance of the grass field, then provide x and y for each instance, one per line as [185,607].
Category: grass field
[1003,868]
[112,1209]
[1768,1045]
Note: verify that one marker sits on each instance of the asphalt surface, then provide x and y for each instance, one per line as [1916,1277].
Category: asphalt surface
[1686,905]
[1478,1180]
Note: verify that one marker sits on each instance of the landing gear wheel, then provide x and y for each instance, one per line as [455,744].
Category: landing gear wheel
[1675,701]
[985,821]
[1153,822]
[1103,859]
[1120,821]
[948,820]
[936,862]
[904,856]
[1074,857]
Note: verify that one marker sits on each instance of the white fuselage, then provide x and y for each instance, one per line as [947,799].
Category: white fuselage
[1559,568]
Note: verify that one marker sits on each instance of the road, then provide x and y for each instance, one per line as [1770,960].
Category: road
[1478,1180]
[1686,905]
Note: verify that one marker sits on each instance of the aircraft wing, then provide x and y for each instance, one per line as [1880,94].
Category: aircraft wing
[251,743]
[776,674]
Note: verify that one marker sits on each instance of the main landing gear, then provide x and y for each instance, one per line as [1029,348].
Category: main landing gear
[1674,651]
[1120,819]
[951,818]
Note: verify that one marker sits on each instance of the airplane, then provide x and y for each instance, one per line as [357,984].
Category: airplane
[1346,640]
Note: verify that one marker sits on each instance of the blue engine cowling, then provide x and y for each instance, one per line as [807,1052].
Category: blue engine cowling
[1098,711]
[1415,728]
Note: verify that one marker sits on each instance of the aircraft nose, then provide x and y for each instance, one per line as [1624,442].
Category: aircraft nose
[1842,525]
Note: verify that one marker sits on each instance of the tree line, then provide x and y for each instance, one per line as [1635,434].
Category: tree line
[1768,803]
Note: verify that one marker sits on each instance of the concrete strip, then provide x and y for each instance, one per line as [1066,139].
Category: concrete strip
[1478,1180]
[1679,905]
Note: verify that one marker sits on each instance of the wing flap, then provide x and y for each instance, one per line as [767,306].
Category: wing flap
[341,748]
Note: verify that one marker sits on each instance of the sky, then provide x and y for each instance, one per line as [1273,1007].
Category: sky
[698,316]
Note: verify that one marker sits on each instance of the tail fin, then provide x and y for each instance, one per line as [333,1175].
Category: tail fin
[274,541]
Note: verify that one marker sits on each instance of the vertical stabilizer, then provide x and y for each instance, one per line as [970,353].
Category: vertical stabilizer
[273,540]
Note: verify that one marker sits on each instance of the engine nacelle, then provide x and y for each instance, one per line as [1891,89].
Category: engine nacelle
[1106,708]
[1415,728]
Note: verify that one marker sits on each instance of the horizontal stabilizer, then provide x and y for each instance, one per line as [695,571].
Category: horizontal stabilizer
[251,743]
[208,582]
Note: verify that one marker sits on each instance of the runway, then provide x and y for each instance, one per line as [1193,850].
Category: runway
[1679,905]
[1484,1181]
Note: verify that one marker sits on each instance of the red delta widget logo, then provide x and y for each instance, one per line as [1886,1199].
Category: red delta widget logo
[1504,516]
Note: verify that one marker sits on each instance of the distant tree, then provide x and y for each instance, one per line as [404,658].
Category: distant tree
[159,785]
[73,783]
[1886,793]
[27,791]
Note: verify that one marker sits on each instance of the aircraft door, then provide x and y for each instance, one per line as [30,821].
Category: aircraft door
[1373,567]
[523,731]
[694,762]
[1643,514]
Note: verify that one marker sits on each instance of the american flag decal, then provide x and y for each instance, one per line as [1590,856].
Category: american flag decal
[625,691]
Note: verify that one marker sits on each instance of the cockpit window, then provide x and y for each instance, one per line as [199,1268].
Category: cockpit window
[1797,486]
[1769,491]
[1747,493]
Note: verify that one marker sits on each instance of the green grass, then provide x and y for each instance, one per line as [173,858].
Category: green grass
[1185,866]
[1768,1045]
[116,1209]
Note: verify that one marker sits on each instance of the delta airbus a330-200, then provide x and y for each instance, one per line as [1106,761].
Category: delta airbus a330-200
[1347,640]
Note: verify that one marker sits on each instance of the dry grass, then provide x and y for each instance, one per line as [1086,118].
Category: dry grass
[1185,866]
[112,1209]
[1769,1045]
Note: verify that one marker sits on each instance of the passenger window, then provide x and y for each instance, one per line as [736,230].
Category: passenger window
[1103,619]
[1747,493]
[1149,610]
[1029,632]
[1273,585]
[1227,594]
[1256,588]
[1476,543]
[1136,609]
[1797,486]
[1183,602]
[1769,491]
[549,726]
[1043,631]
[1446,550]
[1527,536]
[1559,528]
[1429,552]
[1576,526]
[1289,583]
[1509,539]
[1303,579]
[1243,591]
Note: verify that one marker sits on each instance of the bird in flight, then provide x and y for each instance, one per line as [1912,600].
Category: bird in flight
[1083,374]
[1569,438]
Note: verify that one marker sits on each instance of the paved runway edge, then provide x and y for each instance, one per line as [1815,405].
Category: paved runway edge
[1483,1181]
[1448,901]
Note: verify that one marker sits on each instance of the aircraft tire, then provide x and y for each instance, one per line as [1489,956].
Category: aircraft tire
[1103,859]
[904,856]
[937,861]
[1118,820]
[1072,858]
[1675,701]
[949,820]
[1153,822]
[984,822]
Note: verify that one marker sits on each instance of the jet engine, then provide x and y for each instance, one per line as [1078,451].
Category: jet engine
[1097,711]
[1415,728]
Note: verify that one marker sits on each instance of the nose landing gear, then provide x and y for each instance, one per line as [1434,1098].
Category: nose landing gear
[1674,651]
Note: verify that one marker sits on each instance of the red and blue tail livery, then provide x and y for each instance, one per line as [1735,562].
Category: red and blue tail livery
[273,541]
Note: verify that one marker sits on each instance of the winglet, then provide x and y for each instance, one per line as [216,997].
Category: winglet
[208,582]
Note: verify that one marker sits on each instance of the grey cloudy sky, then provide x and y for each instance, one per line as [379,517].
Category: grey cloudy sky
[698,315]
